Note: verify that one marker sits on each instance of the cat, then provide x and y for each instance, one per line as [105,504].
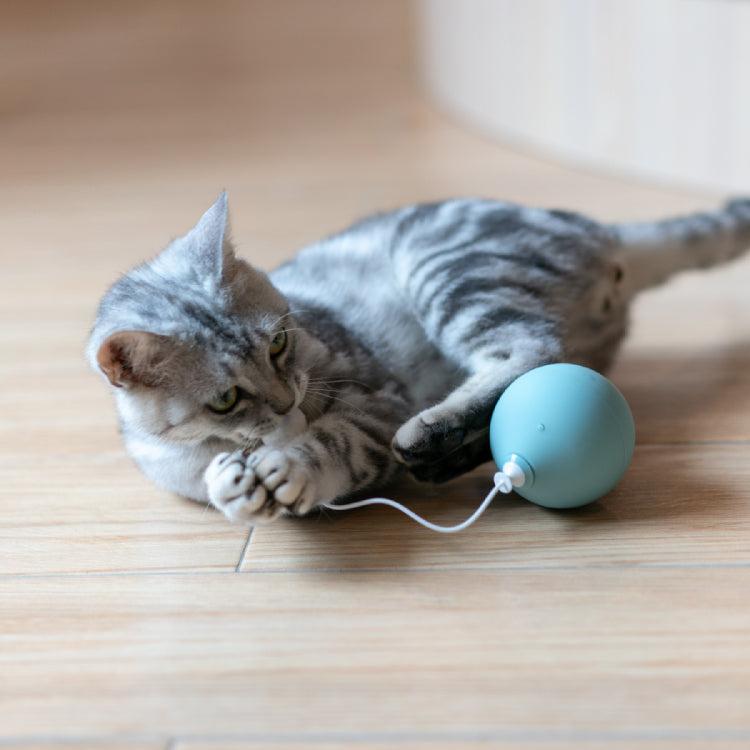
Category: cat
[382,347]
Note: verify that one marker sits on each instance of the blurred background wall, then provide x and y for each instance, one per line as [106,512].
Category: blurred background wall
[652,88]
[325,109]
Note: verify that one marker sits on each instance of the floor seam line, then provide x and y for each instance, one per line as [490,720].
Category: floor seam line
[238,569]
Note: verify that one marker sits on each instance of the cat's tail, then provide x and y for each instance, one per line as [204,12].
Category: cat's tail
[650,252]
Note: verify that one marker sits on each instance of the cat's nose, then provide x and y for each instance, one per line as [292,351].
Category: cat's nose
[281,404]
[280,398]
[282,410]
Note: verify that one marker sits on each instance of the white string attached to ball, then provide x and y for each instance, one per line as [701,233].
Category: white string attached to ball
[511,476]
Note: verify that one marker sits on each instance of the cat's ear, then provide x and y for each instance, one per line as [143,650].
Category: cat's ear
[208,239]
[134,358]
[205,250]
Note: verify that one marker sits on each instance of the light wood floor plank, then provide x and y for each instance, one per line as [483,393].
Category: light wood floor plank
[697,395]
[514,742]
[62,410]
[94,743]
[429,652]
[112,521]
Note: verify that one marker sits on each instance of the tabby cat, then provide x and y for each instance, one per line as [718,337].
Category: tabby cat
[383,347]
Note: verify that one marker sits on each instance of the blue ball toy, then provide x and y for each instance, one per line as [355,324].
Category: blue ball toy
[563,435]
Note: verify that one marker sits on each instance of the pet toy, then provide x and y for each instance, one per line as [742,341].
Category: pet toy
[562,436]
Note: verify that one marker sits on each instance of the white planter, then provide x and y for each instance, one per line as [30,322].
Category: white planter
[653,88]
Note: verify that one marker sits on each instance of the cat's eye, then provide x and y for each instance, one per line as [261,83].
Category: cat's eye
[224,402]
[278,342]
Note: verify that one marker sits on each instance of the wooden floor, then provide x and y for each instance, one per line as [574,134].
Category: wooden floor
[130,618]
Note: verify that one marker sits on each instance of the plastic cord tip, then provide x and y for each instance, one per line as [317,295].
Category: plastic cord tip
[514,473]
[503,482]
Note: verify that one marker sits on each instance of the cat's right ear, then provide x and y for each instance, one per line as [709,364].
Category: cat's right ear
[130,358]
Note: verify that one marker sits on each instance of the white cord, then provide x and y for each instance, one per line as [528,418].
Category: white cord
[503,483]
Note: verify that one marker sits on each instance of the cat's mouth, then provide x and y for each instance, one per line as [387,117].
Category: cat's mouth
[279,429]
[285,429]
[292,424]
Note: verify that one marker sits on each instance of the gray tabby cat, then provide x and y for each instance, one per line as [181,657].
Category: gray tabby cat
[381,347]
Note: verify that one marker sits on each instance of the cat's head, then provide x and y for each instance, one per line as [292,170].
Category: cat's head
[198,343]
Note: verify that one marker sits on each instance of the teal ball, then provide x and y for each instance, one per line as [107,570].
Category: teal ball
[569,429]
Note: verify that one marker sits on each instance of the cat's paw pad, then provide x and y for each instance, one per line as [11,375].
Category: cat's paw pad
[234,489]
[287,480]
[439,452]
[428,437]
[228,475]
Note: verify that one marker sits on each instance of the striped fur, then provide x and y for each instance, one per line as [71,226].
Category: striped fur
[396,338]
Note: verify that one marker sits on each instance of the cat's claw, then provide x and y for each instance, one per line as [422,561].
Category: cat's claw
[258,487]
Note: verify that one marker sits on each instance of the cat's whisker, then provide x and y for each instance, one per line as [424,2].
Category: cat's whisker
[319,396]
[250,445]
[324,395]
[330,386]
[286,315]
[341,380]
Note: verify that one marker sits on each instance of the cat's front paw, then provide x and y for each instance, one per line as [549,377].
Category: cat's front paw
[437,445]
[259,487]
[233,488]
[428,437]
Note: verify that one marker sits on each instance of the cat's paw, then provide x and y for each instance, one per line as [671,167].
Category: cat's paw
[259,487]
[437,445]
[428,437]
[233,489]
[288,481]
